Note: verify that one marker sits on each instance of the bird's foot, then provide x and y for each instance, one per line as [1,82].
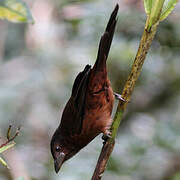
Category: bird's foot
[118,96]
[106,136]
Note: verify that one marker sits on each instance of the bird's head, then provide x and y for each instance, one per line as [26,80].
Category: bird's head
[58,154]
[62,149]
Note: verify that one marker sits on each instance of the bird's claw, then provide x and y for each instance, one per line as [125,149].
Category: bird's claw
[106,136]
[119,97]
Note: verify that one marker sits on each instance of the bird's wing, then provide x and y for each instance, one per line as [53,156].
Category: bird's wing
[82,80]
[79,96]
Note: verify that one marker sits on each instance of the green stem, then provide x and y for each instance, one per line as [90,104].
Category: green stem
[144,46]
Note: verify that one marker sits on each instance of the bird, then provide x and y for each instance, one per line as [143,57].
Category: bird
[88,110]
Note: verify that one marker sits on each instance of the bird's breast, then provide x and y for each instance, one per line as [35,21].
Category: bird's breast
[98,111]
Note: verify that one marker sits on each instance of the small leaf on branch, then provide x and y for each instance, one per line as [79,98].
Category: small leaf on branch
[6,147]
[155,13]
[3,162]
[148,6]
[158,10]
[167,8]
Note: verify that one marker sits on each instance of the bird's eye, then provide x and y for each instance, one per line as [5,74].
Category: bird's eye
[58,148]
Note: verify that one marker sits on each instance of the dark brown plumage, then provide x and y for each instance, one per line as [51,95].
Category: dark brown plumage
[88,111]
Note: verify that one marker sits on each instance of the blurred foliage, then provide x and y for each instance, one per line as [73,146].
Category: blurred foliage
[2,149]
[3,162]
[38,65]
[15,10]
[9,143]
[21,178]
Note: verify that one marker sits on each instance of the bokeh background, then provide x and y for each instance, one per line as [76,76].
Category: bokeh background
[38,64]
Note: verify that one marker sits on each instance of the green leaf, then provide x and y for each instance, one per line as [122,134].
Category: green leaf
[3,162]
[15,11]
[148,6]
[4,148]
[155,12]
[167,8]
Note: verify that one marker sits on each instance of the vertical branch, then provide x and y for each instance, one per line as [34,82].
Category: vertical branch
[108,146]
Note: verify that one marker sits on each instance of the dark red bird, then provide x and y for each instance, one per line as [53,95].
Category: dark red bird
[88,111]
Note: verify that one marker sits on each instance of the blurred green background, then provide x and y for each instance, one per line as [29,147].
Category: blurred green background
[38,64]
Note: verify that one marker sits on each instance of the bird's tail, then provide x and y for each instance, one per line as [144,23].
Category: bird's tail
[105,42]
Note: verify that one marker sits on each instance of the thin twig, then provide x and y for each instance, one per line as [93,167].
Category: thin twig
[9,138]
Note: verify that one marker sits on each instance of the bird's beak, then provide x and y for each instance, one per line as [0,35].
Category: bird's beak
[59,161]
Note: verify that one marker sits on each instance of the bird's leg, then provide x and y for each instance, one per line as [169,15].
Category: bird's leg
[106,136]
[118,96]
